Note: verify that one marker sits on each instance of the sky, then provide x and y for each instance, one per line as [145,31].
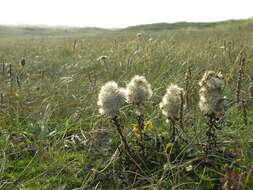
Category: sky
[120,13]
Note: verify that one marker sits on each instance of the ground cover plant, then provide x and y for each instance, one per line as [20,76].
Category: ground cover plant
[138,108]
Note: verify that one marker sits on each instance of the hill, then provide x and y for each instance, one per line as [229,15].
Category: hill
[60,31]
[191,25]
[48,31]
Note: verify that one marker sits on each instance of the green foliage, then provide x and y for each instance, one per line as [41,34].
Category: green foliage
[51,136]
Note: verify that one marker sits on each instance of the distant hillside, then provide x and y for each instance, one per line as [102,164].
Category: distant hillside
[34,31]
[192,25]
[47,31]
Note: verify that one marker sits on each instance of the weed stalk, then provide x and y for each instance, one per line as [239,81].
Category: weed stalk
[251,92]
[244,112]
[211,133]
[239,80]
[129,153]
[187,85]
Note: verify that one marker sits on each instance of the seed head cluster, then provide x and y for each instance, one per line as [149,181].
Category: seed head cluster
[138,90]
[211,93]
[171,101]
[111,98]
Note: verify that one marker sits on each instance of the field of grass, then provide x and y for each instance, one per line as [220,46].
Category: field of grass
[52,136]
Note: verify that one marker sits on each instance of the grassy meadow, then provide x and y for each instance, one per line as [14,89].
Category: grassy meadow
[53,137]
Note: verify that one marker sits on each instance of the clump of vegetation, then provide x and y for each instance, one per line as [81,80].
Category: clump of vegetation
[171,107]
[64,126]
[211,103]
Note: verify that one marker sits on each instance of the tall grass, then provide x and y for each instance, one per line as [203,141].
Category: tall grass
[52,136]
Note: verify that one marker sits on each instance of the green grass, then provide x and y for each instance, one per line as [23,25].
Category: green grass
[40,117]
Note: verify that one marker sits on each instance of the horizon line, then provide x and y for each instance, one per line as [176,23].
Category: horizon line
[56,26]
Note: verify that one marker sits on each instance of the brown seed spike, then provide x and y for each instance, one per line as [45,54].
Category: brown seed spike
[251,91]
[239,79]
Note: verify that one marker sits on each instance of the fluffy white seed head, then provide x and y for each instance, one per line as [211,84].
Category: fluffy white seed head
[212,80]
[111,98]
[171,101]
[138,90]
[211,93]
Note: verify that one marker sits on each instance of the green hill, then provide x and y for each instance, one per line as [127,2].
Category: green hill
[191,25]
[17,31]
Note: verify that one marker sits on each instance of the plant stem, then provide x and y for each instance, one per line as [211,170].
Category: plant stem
[129,153]
[239,80]
[187,86]
[244,112]
[140,120]
[173,130]
[181,111]
[211,133]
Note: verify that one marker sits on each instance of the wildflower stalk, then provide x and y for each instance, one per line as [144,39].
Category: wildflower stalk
[230,47]
[211,103]
[110,99]
[138,92]
[123,138]
[172,106]
[181,111]
[92,81]
[18,81]
[10,75]
[187,86]
[129,153]
[211,133]
[173,131]
[140,125]
[1,100]
[239,80]
[139,39]
[244,113]
[74,46]
[251,92]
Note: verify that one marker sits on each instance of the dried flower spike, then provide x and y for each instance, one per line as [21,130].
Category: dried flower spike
[211,93]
